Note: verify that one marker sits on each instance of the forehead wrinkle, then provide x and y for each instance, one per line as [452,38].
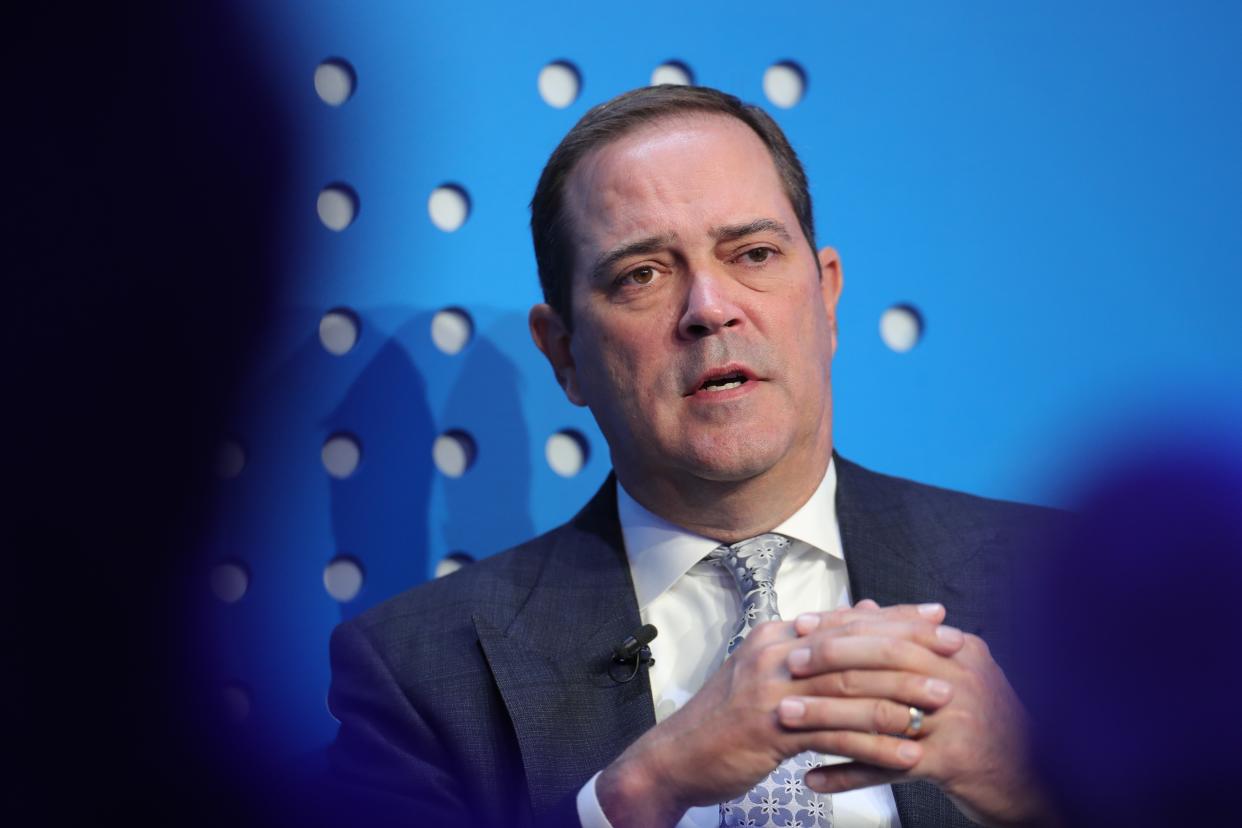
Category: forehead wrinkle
[616,182]
[613,212]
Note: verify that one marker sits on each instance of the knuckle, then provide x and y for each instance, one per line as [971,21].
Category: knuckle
[891,650]
[744,654]
[829,684]
[847,682]
[753,661]
[882,718]
[961,725]
[765,630]
[768,659]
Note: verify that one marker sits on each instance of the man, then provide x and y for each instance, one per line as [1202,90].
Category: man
[688,307]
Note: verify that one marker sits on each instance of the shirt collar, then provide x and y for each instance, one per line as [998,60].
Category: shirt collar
[660,552]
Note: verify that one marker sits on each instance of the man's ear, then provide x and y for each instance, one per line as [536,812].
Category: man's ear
[552,338]
[830,284]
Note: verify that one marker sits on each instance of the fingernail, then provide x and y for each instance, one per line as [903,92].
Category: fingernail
[908,752]
[808,621]
[792,709]
[799,658]
[949,635]
[930,609]
[938,689]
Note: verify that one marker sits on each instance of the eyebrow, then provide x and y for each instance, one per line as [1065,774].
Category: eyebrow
[733,232]
[652,244]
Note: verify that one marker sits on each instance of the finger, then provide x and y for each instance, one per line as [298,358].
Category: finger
[826,653]
[929,693]
[938,638]
[867,715]
[849,776]
[808,622]
[868,748]
[769,632]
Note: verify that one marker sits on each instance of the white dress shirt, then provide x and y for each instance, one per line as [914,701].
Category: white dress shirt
[695,607]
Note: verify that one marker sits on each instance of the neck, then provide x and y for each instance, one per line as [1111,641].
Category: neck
[732,510]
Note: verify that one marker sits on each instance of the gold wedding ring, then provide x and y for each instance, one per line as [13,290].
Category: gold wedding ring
[916,723]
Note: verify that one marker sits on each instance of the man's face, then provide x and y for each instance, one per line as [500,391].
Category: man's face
[703,333]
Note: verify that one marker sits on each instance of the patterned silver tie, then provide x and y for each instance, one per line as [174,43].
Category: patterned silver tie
[781,800]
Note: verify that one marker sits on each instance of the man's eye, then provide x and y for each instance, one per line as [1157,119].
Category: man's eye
[758,255]
[640,275]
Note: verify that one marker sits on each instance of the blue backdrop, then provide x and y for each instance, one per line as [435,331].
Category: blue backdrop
[1054,187]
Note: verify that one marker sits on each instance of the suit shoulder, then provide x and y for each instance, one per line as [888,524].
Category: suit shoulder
[496,585]
[874,491]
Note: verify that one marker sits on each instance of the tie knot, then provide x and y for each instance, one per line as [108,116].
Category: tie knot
[753,564]
[757,558]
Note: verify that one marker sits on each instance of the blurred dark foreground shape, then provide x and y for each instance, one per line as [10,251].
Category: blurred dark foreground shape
[149,156]
[1133,631]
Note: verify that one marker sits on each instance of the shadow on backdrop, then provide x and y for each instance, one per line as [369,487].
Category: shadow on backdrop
[492,512]
[380,515]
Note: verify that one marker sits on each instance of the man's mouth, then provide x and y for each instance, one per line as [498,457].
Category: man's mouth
[723,383]
[724,378]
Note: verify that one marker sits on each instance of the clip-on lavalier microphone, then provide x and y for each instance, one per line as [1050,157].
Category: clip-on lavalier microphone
[634,648]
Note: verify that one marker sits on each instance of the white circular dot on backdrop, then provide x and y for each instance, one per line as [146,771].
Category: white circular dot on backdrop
[341,454]
[229,581]
[449,207]
[566,452]
[452,562]
[338,331]
[674,72]
[451,330]
[334,81]
[230,460]
[342,578]
[235,700]
[784,84]
[901,328]
[559,84]
[453,453]
[337,206]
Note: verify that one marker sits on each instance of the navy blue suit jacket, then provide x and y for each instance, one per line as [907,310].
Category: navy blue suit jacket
[484,697]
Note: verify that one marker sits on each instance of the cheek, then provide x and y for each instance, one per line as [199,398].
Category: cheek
[809,337]
[608,368]
[630,382]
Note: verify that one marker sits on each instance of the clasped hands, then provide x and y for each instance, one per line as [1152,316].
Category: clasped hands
[839,683]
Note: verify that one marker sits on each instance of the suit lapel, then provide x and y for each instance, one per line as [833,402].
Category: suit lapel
[550,660]
[884,565]
[880,556]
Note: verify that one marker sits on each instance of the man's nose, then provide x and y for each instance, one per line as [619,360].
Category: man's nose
[709,306]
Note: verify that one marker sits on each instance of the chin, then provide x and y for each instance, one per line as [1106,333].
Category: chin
[727,458]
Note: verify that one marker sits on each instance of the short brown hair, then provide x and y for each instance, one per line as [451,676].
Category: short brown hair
[609,121]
